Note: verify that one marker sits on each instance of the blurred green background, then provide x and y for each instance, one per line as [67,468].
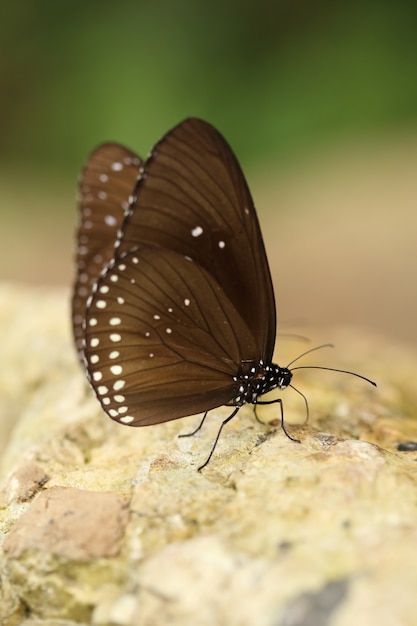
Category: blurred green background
[318,100]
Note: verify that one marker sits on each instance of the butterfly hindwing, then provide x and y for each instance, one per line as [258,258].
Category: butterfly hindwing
[162,339]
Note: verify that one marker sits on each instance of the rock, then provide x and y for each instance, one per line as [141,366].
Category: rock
[72,523]
[104,524]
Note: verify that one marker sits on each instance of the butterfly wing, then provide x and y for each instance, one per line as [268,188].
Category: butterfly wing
[162,339]
[193,198]
[106,182]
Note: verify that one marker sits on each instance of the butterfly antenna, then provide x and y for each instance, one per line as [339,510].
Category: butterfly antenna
[324,345]
[334,369]
[293,336]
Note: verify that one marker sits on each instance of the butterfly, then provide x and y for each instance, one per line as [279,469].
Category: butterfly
[173,310]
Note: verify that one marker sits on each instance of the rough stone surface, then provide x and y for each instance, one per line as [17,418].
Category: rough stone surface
[71,523]
[113,526]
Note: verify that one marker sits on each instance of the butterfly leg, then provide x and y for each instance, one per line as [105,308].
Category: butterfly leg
[257,418]
[231,416]
[281,406]
[197,429]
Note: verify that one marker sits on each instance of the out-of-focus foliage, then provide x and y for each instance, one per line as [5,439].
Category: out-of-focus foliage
[317,98]
[274,76]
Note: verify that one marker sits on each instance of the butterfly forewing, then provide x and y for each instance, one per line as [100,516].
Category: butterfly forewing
[193,199]
[162,338]
[106,182]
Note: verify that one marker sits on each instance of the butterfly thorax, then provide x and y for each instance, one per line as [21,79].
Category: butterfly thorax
[255,379]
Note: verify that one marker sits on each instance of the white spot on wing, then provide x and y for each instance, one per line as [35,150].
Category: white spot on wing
[127,419]
[197,231]
[110,220]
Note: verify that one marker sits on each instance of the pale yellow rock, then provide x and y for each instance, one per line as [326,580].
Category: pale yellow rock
[113,526]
